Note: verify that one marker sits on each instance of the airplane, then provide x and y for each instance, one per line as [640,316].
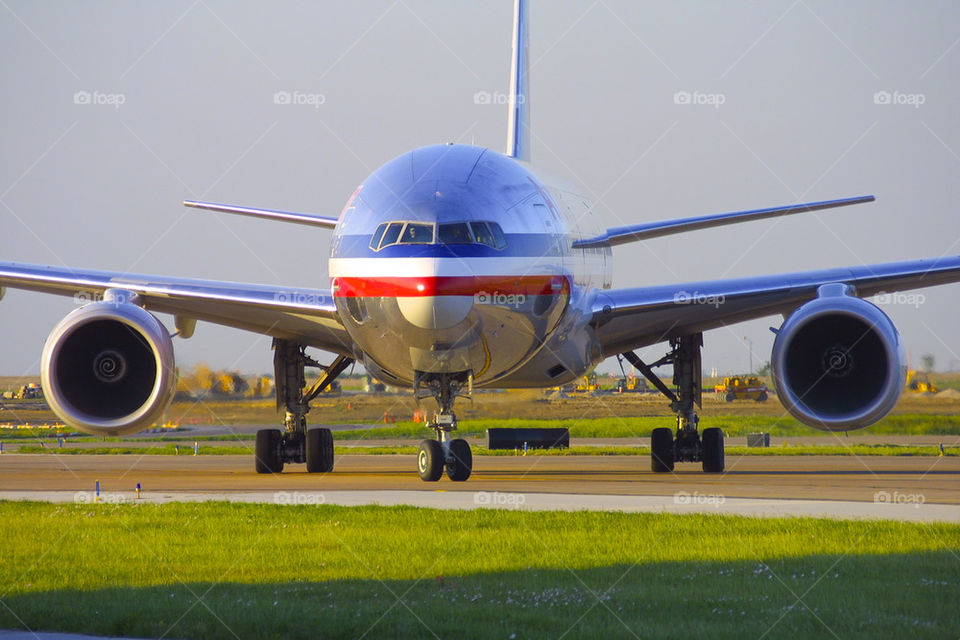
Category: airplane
[455,267]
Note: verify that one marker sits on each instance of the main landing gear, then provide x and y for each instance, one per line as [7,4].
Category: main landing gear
[688,444]
[296,443]
[444,453]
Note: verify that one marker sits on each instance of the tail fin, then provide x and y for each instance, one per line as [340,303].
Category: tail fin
[518,124]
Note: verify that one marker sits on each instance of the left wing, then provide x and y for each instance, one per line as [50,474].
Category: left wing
[308,316]
[627,319]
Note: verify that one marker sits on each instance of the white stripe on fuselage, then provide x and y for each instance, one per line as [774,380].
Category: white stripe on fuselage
[443,267]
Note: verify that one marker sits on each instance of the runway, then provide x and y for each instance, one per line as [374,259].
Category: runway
[912,488]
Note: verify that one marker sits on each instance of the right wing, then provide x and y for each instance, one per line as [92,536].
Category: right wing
[307,316]
[627,319]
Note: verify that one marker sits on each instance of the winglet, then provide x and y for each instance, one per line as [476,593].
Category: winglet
[270,214]
[518,124]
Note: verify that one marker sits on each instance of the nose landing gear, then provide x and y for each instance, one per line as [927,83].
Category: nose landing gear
[446,452]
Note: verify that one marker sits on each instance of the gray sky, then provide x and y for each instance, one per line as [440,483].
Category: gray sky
[99,185]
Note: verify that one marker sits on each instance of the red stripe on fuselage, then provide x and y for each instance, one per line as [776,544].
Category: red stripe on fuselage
[345,287]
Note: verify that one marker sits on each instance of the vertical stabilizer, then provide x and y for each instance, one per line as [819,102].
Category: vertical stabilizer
[518,124]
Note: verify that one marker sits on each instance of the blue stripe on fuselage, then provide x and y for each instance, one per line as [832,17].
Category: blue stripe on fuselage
[524,245]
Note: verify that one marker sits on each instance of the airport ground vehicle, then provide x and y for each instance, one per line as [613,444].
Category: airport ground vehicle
[919,382]
[742,388]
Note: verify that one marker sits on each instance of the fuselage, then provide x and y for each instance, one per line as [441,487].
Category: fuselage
[455,258]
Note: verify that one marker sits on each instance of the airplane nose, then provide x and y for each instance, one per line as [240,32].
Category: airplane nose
[435,312]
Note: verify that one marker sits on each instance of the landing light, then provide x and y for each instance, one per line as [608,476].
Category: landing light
[420,287]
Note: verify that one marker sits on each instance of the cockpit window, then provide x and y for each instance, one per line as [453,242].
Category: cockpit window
[480,232]
[391,234]
[417,233]
[377,236]
[499,239]
[489,233]
[456,233]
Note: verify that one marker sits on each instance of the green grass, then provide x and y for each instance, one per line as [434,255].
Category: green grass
[640,427]
[220,570]
[777,450]
[629,427]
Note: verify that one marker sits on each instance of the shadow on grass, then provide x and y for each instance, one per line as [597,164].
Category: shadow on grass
[898,595]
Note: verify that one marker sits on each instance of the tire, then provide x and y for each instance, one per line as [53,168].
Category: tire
[762,397]
[319,451]
[267,451]
[731,397]
[430,461]
[461,465]
[711,442]
[661,450]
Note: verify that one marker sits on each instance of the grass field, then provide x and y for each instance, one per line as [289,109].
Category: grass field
[778,450]
[262,571]
[640,427]
[627,427]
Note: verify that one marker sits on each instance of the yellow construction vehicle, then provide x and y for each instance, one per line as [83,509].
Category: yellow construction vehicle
[587,384]
[630,384]
[919,382]
[742,388]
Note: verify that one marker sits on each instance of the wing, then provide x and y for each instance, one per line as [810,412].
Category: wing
[647,230]
[626,319]
[308,316]
[270,214]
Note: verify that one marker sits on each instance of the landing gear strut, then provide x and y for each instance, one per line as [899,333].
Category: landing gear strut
[444,453]
[296,443]
[687,444]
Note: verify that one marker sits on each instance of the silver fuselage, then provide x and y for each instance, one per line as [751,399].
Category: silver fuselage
[513,315]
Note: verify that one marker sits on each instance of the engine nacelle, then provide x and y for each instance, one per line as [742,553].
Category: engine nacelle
[838,362]
[108,369]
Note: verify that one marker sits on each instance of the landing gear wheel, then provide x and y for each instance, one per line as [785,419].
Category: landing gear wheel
[430,461]
[712,450]
[661,450]
[319,451]
[267,451]
[461,462]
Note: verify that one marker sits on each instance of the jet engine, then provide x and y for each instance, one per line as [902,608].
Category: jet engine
[838,362]
[108,368]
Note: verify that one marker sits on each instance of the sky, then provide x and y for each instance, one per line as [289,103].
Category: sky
[114,112]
